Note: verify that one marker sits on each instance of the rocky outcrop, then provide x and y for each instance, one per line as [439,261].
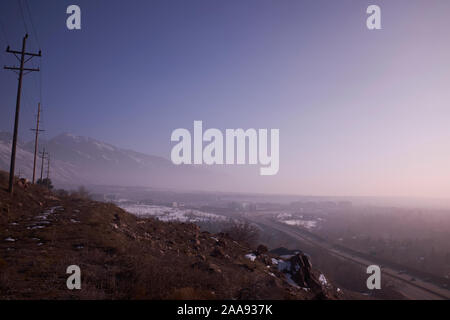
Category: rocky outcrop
[297,270]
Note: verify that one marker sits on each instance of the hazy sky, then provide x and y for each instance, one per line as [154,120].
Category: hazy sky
[360,112]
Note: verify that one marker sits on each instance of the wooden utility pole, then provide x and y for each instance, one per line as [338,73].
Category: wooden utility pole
[48,171]
[43,153]
[36,142]
[21,69]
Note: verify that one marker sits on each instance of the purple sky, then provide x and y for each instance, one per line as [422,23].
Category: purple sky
[360,112]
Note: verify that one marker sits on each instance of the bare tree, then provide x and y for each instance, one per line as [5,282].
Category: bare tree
[243,232]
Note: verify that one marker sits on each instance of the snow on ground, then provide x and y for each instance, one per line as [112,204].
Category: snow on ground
[41,220]
[251,256]
[166,214]
[284,215]
[284,265]
[308,224]
[323,280]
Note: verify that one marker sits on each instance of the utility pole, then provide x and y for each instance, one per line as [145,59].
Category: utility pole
[43,153]
[36,142]
[21,69]
[48,171]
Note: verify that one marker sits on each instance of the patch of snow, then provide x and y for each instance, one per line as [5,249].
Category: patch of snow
[251,256]
[274,261]
[102,145]
[167,214]
[136,159]
[9,239]
[284,265]
[36,227]
[106,157]
[283,215]
[308,224]
[323,280]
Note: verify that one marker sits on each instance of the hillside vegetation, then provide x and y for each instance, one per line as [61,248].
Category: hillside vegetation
[124,257]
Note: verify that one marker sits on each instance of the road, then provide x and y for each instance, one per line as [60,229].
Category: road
[416,290]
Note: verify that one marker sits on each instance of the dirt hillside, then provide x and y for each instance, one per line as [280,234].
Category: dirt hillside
[124,257]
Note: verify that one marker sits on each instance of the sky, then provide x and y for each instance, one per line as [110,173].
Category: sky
[360,112]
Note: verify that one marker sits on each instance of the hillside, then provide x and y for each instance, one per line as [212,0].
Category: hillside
[123,257]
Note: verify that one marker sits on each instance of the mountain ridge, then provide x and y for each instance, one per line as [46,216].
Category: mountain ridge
[79,160]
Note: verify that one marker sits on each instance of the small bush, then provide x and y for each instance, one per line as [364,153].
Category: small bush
[243,232]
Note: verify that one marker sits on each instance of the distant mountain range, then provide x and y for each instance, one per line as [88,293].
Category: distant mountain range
[78,160]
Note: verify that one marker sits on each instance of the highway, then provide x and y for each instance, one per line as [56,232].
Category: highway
[415,290]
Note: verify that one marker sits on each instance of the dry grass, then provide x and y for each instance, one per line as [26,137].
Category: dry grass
[120,256]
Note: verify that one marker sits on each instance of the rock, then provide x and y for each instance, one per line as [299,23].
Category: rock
[211,267]
[301,271]
[214,268]
[201,257]
[217,252]
[23,183]
[264,259]
[221,243]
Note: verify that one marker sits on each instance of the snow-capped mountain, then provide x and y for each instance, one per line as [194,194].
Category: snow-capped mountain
[81,160]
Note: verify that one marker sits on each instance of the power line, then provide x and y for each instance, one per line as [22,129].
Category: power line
[22,15]
[36,37]
[38,86]
[32,24]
